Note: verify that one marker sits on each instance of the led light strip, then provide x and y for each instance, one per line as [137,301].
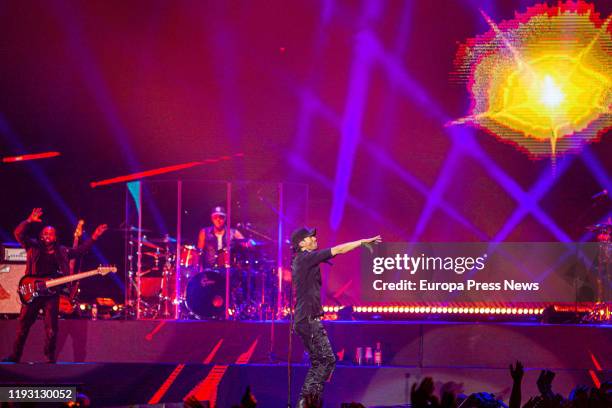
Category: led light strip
[440,310]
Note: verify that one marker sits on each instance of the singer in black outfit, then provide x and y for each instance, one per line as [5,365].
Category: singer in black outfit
[306,277]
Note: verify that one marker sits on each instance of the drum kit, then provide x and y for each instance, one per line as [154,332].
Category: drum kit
[602,310]
[201,291]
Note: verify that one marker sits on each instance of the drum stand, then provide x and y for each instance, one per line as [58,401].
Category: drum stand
[131,286]
[602,310]
[164,305]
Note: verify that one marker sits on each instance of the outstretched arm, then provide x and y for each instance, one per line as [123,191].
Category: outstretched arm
[20,231]
[86,246]
[349,246]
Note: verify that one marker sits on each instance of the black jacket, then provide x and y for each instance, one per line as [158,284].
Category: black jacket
[35,247]
[306,277]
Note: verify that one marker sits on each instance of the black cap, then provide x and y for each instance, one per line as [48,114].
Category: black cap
[299,234]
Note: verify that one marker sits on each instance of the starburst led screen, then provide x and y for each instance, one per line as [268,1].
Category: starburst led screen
[542,80]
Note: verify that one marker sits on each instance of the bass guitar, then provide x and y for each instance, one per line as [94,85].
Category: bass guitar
[31,287]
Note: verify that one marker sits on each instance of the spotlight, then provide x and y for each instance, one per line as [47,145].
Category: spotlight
[551,94]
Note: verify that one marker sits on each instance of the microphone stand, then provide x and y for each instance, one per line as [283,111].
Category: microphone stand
[289,351]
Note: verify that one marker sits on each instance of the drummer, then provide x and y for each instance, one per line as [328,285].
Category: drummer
[213,242]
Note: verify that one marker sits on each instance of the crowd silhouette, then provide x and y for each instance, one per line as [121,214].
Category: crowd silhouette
[423,395]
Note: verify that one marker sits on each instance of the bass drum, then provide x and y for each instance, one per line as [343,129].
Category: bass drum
[205,295]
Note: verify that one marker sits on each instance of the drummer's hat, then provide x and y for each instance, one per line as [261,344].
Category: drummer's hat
[218,210]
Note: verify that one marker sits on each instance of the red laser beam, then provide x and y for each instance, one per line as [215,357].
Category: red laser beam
[245,357]
[161,170]
[595,362]
[206,390]
[213,352]
[149,336]
[26,157]
[343,289]
[595,379]
[163,389]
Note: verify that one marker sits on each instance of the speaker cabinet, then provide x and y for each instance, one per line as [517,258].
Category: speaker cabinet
[9,280]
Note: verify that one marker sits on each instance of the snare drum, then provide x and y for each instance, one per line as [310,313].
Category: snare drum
[190,256]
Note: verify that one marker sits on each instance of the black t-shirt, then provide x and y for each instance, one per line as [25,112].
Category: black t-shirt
[47,264]
[306,276]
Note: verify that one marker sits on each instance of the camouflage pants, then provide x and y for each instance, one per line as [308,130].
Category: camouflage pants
[322,357]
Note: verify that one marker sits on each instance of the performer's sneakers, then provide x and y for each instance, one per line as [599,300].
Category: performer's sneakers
[309,401]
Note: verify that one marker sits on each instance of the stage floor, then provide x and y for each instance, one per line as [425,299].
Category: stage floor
[136,362]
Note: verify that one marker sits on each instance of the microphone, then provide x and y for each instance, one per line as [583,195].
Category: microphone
[369,247]
[602,193]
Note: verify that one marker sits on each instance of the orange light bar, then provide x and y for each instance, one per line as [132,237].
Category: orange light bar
[26,157]
[161,170]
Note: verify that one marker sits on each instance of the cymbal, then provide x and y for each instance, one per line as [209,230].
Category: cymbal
[152,246]
[600,227]
[145,272]
[154,255]
[130,228]
[163,240]
[250,241]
